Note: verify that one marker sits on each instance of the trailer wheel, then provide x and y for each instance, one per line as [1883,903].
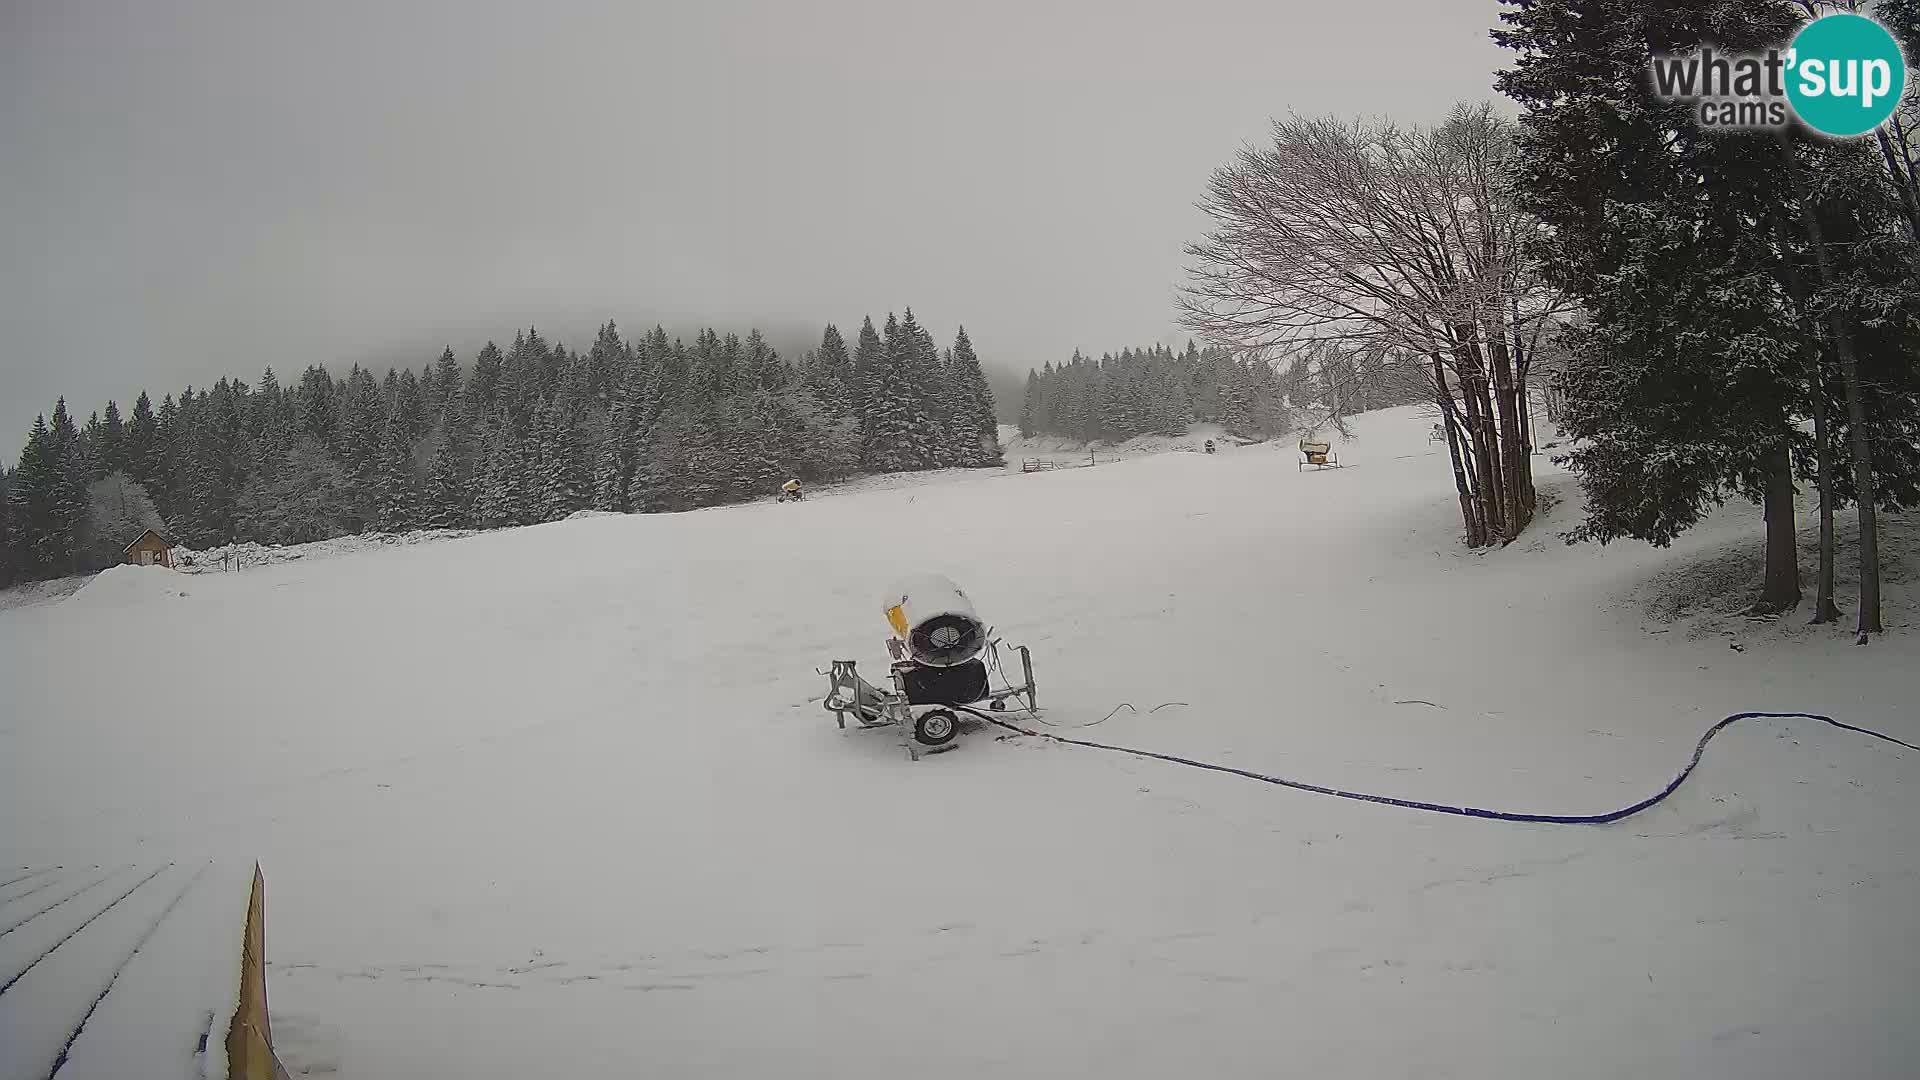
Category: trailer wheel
[936,727]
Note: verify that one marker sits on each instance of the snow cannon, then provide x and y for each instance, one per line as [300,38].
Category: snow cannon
[933,622]
[945,660]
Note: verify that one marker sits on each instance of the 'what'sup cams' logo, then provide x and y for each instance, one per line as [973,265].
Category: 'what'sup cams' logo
[1842,75]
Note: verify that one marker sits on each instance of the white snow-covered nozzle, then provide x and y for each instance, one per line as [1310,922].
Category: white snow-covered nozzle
[935,620]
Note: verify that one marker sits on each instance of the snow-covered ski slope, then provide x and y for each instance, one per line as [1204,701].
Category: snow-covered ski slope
[561,800]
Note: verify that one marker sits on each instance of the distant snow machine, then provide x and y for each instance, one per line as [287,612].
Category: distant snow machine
[944,657]
[1318,454]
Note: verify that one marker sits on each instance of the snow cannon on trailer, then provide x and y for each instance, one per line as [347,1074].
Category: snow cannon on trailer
[945,658]
[1317,453]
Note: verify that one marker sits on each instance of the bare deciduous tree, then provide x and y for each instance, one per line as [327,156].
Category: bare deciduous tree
[1382,245]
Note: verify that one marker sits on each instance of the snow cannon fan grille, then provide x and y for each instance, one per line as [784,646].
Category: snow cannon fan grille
[946,640]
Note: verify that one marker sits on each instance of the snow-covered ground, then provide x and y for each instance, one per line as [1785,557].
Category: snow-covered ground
[1065,452]
[562,800]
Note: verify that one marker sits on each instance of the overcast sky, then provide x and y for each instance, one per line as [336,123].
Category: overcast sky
[190,189]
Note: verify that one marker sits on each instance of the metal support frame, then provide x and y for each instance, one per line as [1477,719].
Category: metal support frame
[848,694]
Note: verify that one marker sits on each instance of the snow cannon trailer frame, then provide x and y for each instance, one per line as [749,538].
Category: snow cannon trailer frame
[927,700]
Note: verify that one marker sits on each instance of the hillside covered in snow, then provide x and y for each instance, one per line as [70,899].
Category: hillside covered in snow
[562,800]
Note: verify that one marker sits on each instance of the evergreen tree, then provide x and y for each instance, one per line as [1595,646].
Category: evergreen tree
[869,360]
[9,545]
[1030,406]
[91,438]
[494,500]
[766,371]
[831,374]
[482,396]
[614,466]
[70,480]
[34,496]
[270,416]
[1684,382]
[563,482]
[926,387]
[539,434]
[399,497]
[314,405]
[444,503]
[973,415]
[142,433]
[410,406]
[607,362]
[362,422]
[896,429]
[443,389]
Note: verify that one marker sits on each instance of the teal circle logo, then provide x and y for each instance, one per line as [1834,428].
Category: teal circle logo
[1846,75]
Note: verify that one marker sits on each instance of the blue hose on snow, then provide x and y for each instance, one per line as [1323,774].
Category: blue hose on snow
[1673,785]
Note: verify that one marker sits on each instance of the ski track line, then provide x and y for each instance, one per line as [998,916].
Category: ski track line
[22,895]
[25,876]
[74,1035]
[76,930]
[64,899]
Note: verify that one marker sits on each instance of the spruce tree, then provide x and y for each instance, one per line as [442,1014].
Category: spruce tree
[614,464]
[927,385]
[606,363]
[482,396]
[9,550]
[1030,406]
[494,497]
[563,479]
[398,494]
[767,371]
[410,406]
[1685,379]
[268,420]
[896,431]
[92,435]
[315,408]
[974,411]
[869,360]
[831,375]
[444,503]
[142,432]
[443,390]
[70,504]
[34,495]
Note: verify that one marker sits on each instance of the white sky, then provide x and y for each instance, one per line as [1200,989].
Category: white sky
[190,188]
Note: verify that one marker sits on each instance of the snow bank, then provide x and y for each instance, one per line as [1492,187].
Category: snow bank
[32,593]
[126,586]
[249,554]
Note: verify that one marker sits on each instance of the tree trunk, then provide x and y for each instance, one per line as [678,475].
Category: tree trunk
[1443,397]
[1780,590]
[1529,497]
[1902,182]
[1861,451]
[1480,434]
[1824,609]
[1863,486]
[1514,462]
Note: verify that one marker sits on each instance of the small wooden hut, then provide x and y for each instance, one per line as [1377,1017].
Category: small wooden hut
[151,549]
